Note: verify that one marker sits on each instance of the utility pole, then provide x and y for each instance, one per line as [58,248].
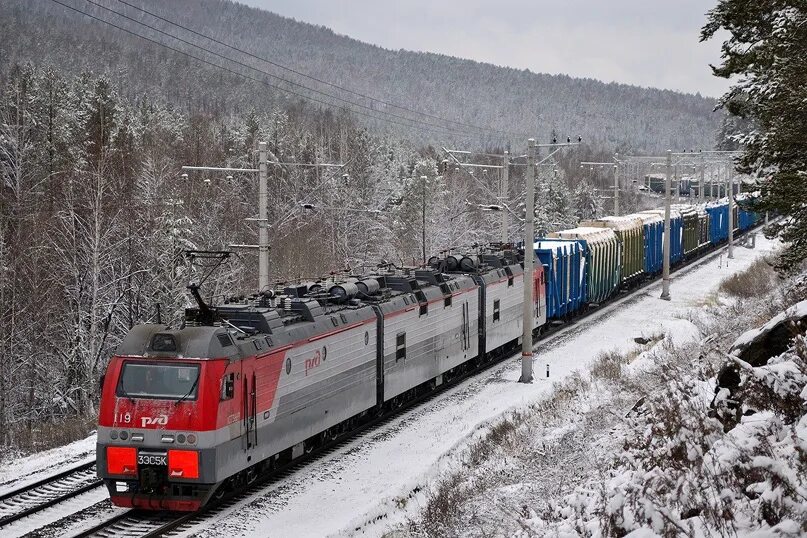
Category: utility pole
[529,256]
[665,289]
[616,184]
[731,211]
[423,216]
[263,221]
[504,195]
[504,189]
[677,185]
[263,198]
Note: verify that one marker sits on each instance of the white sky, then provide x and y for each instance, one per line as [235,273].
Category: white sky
[646,43]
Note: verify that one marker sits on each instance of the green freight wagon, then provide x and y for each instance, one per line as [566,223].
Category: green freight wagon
[703,227]
[630,232]
[603,252]
[690,234]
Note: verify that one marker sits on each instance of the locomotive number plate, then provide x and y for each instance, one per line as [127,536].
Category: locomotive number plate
[152,459]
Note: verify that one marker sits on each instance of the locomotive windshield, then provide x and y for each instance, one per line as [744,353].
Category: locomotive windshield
[159,381]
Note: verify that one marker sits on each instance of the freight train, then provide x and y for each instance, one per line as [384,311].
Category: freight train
[189,412]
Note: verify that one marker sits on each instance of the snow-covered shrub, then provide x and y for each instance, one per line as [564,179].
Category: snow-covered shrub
[680,474]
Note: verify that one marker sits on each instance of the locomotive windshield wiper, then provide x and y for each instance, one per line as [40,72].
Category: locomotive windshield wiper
[190,390]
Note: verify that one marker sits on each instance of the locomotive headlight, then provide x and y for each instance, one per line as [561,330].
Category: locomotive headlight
[113,434]
[191,438]
[124,435]
[183,464]
[121,460]
[181,438]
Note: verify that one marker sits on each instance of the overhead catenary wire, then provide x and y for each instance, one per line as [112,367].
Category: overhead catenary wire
[321,81]
[302,86]
[441,130]
[242,64]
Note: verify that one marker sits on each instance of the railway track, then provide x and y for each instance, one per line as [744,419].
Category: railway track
[50,491]
[144,524]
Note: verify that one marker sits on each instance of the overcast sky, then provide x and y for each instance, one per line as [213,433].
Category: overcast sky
[647,43]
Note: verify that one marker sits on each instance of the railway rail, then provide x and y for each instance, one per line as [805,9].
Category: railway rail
[50,491]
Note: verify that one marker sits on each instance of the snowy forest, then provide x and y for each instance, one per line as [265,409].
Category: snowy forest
[488,105]
[95,212]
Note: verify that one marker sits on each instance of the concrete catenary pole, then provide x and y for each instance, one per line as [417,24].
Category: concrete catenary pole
[529,256]
[505,223]
[730,192]
[665,286]
[423,217]
[616,184]
[263,221]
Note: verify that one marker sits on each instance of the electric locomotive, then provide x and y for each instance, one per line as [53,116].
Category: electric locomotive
[188,412]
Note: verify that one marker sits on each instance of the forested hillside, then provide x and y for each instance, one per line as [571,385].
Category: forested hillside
[512,102]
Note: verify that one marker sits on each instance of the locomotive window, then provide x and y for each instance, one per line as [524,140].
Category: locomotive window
[225,340]
[509,281]
[496,310]
[400,346]
[343,318]
[227,387]
[447,301]
[406,301]
[424,309]
[158,381]
[163,342]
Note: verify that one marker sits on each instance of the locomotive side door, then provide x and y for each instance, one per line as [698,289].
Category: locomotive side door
[249,399]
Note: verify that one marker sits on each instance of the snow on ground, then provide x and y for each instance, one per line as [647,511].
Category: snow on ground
[375,482]
[18,472]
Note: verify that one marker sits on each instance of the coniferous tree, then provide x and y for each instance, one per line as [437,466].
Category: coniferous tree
[767,49]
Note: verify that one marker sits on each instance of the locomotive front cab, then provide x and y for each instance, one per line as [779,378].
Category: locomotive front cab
[156,434]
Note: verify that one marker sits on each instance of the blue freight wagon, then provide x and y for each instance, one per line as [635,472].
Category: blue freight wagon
[564,272]
[676,232]
[653,241]
[718,221]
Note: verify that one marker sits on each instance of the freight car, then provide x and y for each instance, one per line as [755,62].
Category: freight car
[189,412]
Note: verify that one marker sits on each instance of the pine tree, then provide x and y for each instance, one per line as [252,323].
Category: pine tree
[587,205]
[767,49]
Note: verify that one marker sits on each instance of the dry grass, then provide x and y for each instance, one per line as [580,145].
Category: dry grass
[758,280]
[46,434]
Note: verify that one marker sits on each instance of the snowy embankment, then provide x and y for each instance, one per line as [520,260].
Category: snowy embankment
[379,481]
[16,473]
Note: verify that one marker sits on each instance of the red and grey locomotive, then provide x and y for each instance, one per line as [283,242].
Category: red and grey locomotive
[187,412]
